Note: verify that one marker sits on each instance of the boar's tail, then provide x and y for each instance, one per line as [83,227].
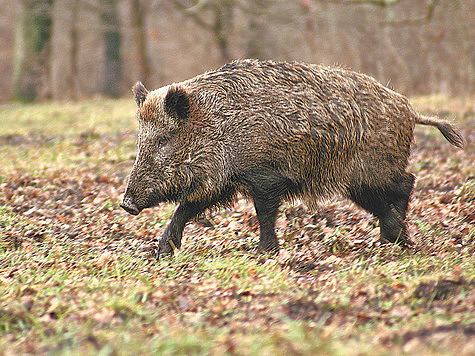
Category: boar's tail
[449,132]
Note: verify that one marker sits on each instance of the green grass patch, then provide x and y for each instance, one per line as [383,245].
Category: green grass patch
[78,275]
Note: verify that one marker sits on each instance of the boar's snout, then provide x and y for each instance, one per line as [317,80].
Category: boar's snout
[129,206]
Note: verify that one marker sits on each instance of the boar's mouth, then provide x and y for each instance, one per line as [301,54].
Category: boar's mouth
[130,205]
[162,197]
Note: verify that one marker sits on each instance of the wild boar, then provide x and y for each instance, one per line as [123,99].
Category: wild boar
[274,131]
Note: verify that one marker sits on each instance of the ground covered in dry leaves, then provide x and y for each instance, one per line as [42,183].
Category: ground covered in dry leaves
[77,274]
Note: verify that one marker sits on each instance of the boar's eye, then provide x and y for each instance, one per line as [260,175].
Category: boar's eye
[161,141]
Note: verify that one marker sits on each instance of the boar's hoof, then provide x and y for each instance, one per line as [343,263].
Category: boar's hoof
[165,248]
[161,253]
[269,246]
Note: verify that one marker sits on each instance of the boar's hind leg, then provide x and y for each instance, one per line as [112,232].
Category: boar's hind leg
[389,205]
[266,210]
[267,190]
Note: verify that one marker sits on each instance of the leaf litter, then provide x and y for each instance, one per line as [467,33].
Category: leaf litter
[96,267]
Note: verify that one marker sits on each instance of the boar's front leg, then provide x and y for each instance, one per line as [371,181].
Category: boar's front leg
[173,233]
[186,211]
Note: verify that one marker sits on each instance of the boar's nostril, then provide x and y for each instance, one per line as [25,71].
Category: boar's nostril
[131,209]
[129,206]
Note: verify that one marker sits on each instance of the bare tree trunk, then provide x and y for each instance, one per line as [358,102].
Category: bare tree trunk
[310,34]
[112,40]
[223,19]
[393,63]
[74,83]
[32,48]
[256,46]
[140,39]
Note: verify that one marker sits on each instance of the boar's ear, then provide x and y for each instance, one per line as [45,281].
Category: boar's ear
[140,93]
[177,103]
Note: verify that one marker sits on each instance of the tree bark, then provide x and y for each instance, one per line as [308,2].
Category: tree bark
[222,24]
[32,48]
[256,44]
[140,39]
[74,38]
[112,57]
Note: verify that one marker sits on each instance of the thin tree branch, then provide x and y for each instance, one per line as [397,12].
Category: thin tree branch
[192,13]
[91,6]
[385,3]
[416,21]
[382,3]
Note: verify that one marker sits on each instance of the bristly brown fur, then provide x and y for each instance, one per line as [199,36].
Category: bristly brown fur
[275,131]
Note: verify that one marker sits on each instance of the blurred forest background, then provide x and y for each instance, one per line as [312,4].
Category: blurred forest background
[73,49]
